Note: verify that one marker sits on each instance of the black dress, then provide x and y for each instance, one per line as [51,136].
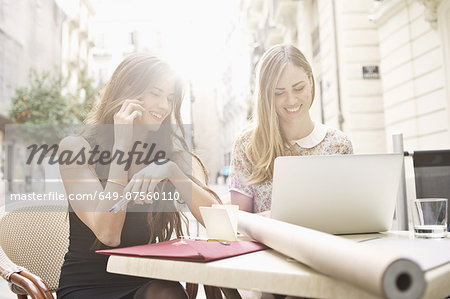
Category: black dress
[83,274]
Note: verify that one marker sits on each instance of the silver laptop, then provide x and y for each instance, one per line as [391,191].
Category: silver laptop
[338,194]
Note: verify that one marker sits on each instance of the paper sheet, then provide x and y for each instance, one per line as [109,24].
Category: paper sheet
[428,254]
[220,222]
[380,271]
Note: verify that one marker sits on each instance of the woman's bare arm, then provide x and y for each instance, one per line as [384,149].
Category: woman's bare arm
[190,191]
[79,179]
[200,197]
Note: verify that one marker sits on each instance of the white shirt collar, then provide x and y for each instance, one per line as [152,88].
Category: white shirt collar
[314,138]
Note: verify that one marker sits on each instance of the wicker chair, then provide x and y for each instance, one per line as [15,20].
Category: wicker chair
[33,241]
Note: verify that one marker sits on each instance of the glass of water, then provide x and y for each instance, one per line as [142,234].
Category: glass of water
[430,217]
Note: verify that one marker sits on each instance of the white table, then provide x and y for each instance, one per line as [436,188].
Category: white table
[266,271]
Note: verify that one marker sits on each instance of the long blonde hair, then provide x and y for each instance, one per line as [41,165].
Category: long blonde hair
[131,80]
[267,140]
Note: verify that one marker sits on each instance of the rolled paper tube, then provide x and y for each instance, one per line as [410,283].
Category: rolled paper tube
[380,272]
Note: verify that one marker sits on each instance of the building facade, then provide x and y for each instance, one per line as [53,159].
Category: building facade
[231,97]
[42,35]
[380,66]
[30,38]
[415,69]
[77,41]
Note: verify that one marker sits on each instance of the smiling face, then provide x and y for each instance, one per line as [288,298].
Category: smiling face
[293,94]
[158,102]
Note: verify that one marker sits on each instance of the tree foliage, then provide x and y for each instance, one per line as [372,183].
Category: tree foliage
[45,102]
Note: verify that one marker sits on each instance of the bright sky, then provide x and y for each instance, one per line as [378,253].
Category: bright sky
[192,34]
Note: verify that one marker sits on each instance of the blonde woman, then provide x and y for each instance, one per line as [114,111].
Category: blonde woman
[282,126]
[141,100]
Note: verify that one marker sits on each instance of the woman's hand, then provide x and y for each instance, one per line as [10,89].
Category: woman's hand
[129,111]
[147,178]
[124,119]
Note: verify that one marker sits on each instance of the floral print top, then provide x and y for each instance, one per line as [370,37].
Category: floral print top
[323,140]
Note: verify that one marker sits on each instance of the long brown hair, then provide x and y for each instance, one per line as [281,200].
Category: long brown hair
[267,140]
[131,80]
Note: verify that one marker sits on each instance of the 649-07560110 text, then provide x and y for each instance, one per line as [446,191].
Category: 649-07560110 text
[56,196]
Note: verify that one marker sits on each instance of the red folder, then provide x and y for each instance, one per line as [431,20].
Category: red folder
[188,250]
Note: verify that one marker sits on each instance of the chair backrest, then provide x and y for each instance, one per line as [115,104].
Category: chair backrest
[432,175]
[37,238]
